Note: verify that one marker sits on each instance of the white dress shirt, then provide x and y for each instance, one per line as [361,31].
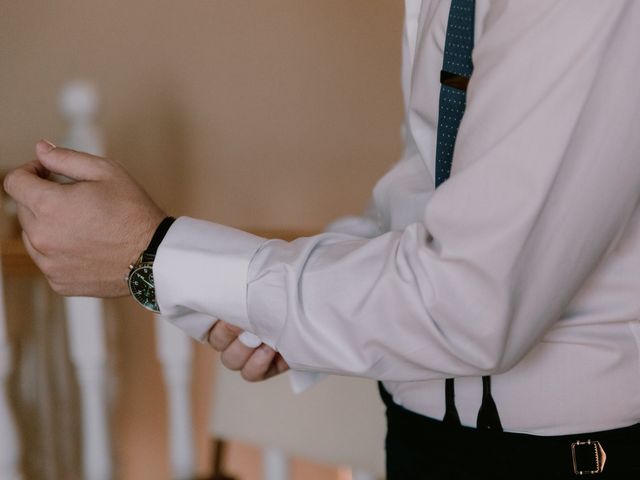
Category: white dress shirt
[524,265]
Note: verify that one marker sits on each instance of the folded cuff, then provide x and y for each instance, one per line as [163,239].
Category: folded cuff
[200,273]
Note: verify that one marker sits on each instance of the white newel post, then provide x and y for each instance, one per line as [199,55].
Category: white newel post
[9,443]
[175,351]
[79,103]
[89,356]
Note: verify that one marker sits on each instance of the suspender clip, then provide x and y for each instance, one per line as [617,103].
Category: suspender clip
[454,80]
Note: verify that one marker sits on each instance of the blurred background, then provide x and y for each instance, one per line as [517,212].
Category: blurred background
[272,115]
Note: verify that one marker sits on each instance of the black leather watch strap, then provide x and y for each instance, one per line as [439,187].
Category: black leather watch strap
[158,236]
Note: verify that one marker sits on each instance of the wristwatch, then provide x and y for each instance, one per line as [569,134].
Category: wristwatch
[140,278]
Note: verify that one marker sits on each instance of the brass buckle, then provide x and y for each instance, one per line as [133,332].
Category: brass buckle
[599,454]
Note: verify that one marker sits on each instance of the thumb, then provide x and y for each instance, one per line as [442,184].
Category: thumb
[75,165]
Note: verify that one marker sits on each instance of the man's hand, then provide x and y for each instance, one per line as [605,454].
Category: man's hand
[82,235]
[254,364]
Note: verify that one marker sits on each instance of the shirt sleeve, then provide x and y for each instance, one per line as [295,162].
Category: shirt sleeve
[545,178]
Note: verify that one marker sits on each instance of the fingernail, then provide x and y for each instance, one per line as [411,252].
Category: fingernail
[45,146]
[249,340]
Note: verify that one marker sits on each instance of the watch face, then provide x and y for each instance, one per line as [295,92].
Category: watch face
[142,287]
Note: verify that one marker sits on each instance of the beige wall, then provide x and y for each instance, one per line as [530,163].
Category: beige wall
[261,113]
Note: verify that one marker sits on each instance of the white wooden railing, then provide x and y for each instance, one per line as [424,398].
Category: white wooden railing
[9,443]
[89,354]
[87,343]
[85,327]
[175,352]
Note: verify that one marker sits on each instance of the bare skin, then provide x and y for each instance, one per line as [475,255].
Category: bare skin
[84,235]
[254,364]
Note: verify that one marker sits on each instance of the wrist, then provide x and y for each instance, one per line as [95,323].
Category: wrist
[143,239]
[140,280]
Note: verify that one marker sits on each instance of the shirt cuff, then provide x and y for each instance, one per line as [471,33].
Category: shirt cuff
[302,381]
[200,274]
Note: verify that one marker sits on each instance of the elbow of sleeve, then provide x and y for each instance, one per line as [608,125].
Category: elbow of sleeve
[502,357]
[488,363]
[487,352]
[501,364]
[501,354]
[468,356]
[503,332]
[494,362]
[510,357]
[520,332]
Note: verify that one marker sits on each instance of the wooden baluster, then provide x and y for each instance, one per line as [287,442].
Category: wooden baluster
[88,353]
[9,444]
[175,351]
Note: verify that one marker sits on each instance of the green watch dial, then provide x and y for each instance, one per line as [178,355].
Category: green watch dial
[142,287]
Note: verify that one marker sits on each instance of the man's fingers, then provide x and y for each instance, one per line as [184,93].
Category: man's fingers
[235,356]
[75,165]
[222,334]
[280,364]
[38,168]
[27,184]
[260,365]
[35,255]
[25,217]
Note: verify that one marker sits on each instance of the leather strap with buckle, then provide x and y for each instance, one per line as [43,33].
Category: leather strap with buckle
[588,457]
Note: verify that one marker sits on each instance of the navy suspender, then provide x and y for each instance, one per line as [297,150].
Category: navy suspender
[457,67]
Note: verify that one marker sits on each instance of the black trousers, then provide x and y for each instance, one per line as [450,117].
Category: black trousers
[420,447]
